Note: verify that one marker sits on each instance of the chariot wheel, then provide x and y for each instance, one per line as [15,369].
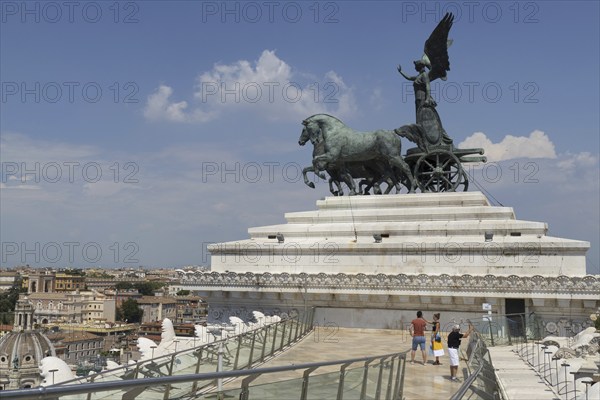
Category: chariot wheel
[440,171]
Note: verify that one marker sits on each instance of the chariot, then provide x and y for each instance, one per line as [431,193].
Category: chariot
[440,169]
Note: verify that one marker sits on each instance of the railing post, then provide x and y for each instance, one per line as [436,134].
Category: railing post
[252,349]
[564,364]
[379,379]
[283,336]
[305,377]
[89,396]
[262,353]
[137,370]
[308,318]
[389,387]
[544,361]
[549,365]
[244,394]
[237,352]
[340,392]
[399,387]
[168,387]
[195,384]
[363,389]
[220,353]
[574,384]
[291,322]
[587,385]
[527,351]
[297,327]
[555,370]
[274,339]
[305,325]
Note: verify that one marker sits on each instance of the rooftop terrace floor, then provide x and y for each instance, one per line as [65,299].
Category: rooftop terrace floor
[327,344]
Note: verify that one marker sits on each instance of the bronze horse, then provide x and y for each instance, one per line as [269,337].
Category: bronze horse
[346,154]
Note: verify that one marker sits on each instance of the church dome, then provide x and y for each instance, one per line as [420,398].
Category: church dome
[22,350]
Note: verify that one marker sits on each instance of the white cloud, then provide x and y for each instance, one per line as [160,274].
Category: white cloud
[572,161]
[19,148]
[159,106]
[269,87]
[21,187]
[563,168]
[536,145]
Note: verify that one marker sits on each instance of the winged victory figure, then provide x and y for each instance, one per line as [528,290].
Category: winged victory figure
[433,65]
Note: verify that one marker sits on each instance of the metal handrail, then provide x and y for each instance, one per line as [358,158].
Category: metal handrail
[168,357]
[482,371]
[467,384]
[47,392]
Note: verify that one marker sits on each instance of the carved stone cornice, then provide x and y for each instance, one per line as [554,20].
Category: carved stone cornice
[584,285]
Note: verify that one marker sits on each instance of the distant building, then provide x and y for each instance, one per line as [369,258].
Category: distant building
[122,295]
[50,282]
[53,307]
[67,282]
[4,329]
[190,309]
[157,308]
[75,307]
[7,280]
[98,308]
[39,282]
[74,346]
[104,283]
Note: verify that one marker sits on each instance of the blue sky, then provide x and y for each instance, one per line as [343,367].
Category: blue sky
[134,88]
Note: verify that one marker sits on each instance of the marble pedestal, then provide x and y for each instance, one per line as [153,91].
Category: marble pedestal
[446,252]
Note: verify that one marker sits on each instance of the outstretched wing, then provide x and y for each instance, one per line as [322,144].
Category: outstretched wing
[436,48]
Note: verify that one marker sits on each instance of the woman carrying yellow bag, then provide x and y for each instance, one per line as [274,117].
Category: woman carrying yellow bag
[436,339]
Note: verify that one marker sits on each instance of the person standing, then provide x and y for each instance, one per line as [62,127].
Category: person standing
[453,346]
[436,339]
[417,331]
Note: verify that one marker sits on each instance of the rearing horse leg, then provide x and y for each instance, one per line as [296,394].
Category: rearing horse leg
[305,172]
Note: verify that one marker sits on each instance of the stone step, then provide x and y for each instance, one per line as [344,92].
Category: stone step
[404,228]
[458,199]
[546,245]
[401,214]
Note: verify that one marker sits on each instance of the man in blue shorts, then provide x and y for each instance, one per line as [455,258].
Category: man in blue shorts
[417,331]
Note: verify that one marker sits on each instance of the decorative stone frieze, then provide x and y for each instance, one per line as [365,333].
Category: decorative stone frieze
[375,284]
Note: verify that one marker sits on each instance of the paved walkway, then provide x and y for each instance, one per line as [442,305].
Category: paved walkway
[425,382]
[517,378]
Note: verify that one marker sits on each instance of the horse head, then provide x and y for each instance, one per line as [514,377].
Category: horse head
[304,137]
[317,126]
[311,131]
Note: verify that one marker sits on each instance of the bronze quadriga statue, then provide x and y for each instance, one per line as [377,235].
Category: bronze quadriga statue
[373,158]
